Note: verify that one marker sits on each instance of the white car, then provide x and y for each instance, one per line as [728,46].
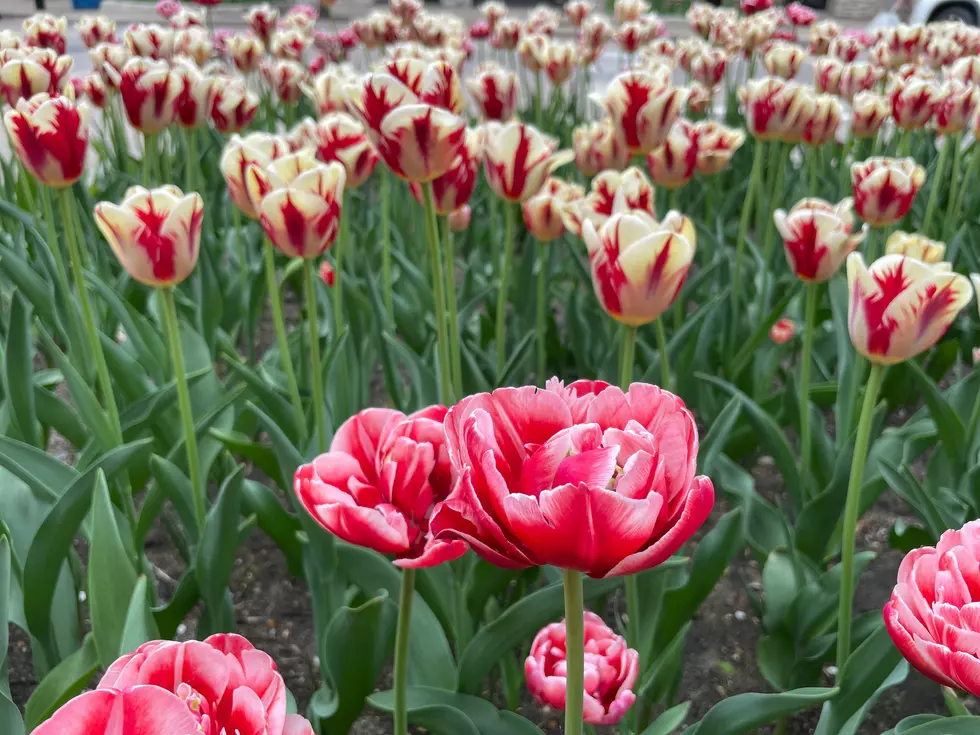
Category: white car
[928,11]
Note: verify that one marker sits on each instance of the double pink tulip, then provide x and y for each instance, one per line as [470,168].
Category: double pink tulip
[584,477]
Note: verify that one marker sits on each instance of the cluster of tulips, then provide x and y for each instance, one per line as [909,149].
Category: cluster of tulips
[583,476]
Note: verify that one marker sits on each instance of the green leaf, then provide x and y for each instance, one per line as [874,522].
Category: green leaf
[277,407]
[669,720]
[430,659]
[46,476]
[714,442]
[517,356]
[57,532]
[54,412]
[658,681]
[19,370]
[276,522]
[353,650]
[258,454]
[518,623]
[908,486]
[487,718]
[26,279]
[780,583]
[65,681]
[745,712]
[442,719]
[111,576]
[150,406]
[937,726]
[219,542]
[904,537]
[11,722]
[169,483]
[952,434]
[139,626]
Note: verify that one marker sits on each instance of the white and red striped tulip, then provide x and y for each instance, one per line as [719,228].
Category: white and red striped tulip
[262,19]
[643,107]
[716,146]
[818,237]
[149,91]
[150,41]
[914,245]
[869,111]
[494,90]
[598,148]
[784,59]
[43,30]
[518,158]
[884,188]
[339,137]
[241,153]
[673,163]
[96,29]
[50,137]
[233,105]
[543,212]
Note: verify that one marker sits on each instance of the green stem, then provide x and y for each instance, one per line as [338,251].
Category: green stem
[55,246]
[812,296]
[401,650]
[904,144]
[664,357]
[973,425]
[166,172]
[190,168]
[184,403]
[66,203]
[631,585]
[541,322]
[538,102]
[285,359]
[769,241]
[937,184]
[872,244]
[149,144]
[386,241]
[316,368]
[628,356]
[743,232]
[243,274]
[851,511]
[959,186]
[954,704]
[452,313]
[442,346]
[509,236]
[678,306]
[339,249]
[843,173]
[812,162]
[574,651]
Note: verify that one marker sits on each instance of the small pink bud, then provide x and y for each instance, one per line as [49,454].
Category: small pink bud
[327,274]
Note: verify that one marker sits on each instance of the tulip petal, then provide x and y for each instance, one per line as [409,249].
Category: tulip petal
[141,710]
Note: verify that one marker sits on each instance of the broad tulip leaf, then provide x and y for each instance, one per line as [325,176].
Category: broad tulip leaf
[908,486]
[19,370]
[151,405]
[353,650]
[780,583]
[45,475]
[219,542]
[714,443]
[169,483]
[952,434]
[63,682]
[55,412]
[936,725]
[169,617]
[669,721]
[258,454]
[139,626]
[11,723]
[26,279]
[442,719]
[277,407]
[658,681]
[487,718]
[111,576]
[276,522]
[744,713]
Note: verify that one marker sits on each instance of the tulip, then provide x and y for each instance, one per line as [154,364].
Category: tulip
[494,90]
[459,220]
[405,10]
[194,96]
[298,200]
[915,246]
[782,331]
[150,41]
[751,7]
[194,43]
[286,78]
[327,90]
[913,102]
[845,48]
[506,34]
[868,111]
[255,149]
[783,59]
[261,20]
[800,15]
[289,44]
[233,106]
[904,44]
[386,27]
[108,60]
[617,517]
[818,237]
[772,107]
[493,12]
[596,32]
[611,192]
[858,77]
[96,91]
[341,138]
[750,33]
[454,188]
[827,73]
[716,145]
[420,142]
[611,670]
[630,36]
[627,10]
[149,93]
[700,17]
[300,17]
[441,88]
[930,614]
[327,274]
[955,107]
[884,188]
[901,306]
[185,18]
[966,70]
[245,51]
[147,710]
[155,233]
[672,165]
[643,106]
[543,211]
[577,11]
[559,62]
[44,30]
[96,29]
[942,52]
[708,66]
[598,148]
[518,158]
[21,79]
[822,34]
[821,119]
[480,30]
[50,137]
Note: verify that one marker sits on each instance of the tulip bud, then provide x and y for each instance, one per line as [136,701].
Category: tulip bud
[21,79]
[672,165]
[782,331]
[772,107]
[913,102]
[577,11]
[150,41]
[327,273]
[233,106]
[155,234]
[966,70]
[185,18]
[845,48]
[96,91]
[818,237]
[261,19]
[518,158]
[459,220]
[783,60]
[904,44]
[698,98]
[868,111]
[149,93]
[543,211]
[96,29]
[638,264]
[821,35]
[597,148]
[800,15]
[245,51]
[716,145]
[298,200]
[327,90]
[339,137]
[916,246]
[441,88]
[289,44]
[942,52]
[255,149]
[507,34]
[44,30]
[700,18]
[827,73]
[493,11]
[821,118]
[643,106]
[956,105]
[900,307]
[708,66]
[884,188]
[858,77]
[108,61]
[596,32]
[754,32]
[559,62]
[494,90]
[454,188]
[194,95]
[627,10]
[285,77]
[50,137]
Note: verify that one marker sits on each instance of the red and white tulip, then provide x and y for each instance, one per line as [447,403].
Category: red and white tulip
[818,237]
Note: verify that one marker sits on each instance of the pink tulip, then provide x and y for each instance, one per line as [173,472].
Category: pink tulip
[379,483]
[146,710]
[932,615]
[584,477]
[800,15]
[611,670]
[782,331]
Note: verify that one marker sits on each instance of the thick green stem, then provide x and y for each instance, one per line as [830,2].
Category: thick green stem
[812,164]
[401,650]
[937,184]
[184,403]
[904,144]
[243,276]
[871,246]
[316,368]
[509,237]
[66,203]
[339,249]
[843,172]
[812,296]
[438,283]
[852,508]
[166,170]
[55,246]
[743,232]
[574,651]
[149,148]
[538,101]
[452,311]
[386,241]
[192,162]
[664,357]
[959,188]
[973,425]
[954,704]
[628,354]
[782,158]
[285,359]
[541,323]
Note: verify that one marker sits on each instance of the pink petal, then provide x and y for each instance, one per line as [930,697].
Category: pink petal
[359,436]
[141,710]
[193,663]
[593,469]
[610,409]
[434,553]
[246,715]
[965,670]
[386,533]
[297,725]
